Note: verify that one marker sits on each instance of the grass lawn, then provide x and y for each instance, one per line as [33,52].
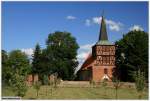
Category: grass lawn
[77,93]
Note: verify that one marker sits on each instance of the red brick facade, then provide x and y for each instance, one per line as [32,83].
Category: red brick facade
[100,64]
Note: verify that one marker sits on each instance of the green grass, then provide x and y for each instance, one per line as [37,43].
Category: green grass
[78,93]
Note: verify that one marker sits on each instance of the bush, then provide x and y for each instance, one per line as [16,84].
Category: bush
[18,84]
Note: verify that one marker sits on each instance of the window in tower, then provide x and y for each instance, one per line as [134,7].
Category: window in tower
[105,71]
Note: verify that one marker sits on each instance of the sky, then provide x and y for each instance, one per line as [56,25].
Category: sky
[24,24]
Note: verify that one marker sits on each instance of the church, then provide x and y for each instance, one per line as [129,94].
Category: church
[101,62]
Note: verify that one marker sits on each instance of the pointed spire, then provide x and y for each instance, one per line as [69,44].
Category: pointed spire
[103,31]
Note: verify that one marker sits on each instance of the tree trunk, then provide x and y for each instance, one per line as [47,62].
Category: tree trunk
[46,90]
[51,91]
[116,93]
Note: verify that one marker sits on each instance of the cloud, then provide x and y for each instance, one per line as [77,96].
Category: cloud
[87,22]
[83,53]
[112,25]
[70,17]
[136,27]
[28,51]
[97,20]
[86,46]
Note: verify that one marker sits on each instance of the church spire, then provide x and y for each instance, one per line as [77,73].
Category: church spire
[103,31]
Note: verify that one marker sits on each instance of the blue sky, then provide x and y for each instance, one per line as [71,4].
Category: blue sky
[26,23]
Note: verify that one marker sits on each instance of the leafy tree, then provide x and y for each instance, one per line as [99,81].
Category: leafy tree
[132,54]
[37,86]
[18,84]
[60,55]
[19,64]
[139,82]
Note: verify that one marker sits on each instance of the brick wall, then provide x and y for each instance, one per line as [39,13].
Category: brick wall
[98,72]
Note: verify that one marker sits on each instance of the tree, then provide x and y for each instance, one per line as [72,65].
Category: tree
[60,55]
[132,54]
[117,84]
[37,86]
[18,84]
[139,82]
[19,64]
[36,67]
[4,57]
[6,70]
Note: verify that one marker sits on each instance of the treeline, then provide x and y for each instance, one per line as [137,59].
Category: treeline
[60,53]
[132,55]
[59,57]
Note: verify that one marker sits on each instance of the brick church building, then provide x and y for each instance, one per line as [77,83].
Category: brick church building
[101,62]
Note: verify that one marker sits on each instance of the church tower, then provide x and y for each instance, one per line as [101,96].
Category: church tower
[101,62]
[104,54]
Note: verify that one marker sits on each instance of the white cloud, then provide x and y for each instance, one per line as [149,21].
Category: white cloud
[86,46]
[28,51]
[136,27]
[97,20]
[70,17]
[87,22]
[83,54]
[112,25]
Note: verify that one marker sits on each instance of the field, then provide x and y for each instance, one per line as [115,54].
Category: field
[78,93]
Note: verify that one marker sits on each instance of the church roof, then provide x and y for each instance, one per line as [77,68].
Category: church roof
[103,42]
[103,31]
[87,62]
[103,38]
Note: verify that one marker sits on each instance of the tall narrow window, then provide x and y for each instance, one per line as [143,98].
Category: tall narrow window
[105,71]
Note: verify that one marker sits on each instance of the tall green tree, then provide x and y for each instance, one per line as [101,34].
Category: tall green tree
[36,63]
[132,55]
[60,54]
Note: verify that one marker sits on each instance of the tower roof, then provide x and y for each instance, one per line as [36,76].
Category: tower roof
[103,38]
[103,31]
